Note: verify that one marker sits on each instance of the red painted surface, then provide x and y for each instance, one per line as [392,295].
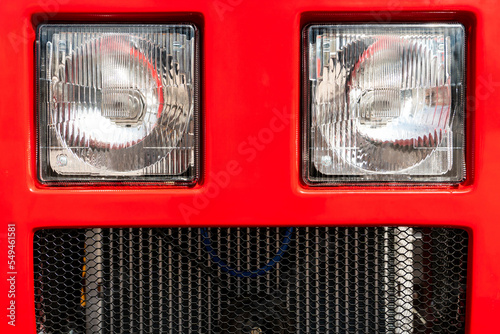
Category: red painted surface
[251,142]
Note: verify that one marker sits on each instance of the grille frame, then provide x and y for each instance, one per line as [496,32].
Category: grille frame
[304,238]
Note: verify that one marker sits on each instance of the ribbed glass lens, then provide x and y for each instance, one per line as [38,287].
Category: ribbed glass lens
[384,103]
[118,102]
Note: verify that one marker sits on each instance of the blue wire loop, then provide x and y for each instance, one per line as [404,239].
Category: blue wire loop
[254,273]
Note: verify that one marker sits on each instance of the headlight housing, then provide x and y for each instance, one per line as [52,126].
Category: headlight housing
[384,103]
[118,103]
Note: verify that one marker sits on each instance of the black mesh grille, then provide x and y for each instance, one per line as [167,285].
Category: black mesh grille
[251,280]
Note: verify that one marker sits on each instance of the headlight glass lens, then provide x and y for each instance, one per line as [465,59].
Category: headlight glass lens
[384,103]
[118,103]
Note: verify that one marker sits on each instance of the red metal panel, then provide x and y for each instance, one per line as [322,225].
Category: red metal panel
[251,106]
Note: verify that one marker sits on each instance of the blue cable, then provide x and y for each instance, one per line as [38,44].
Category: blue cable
[254,273]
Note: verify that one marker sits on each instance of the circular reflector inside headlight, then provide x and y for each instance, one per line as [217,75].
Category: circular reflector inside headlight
[121,108]
[401,101]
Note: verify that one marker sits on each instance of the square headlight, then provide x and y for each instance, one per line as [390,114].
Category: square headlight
[118,103]
[384,103]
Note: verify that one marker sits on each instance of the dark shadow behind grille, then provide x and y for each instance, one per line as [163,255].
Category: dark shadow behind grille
[330,280]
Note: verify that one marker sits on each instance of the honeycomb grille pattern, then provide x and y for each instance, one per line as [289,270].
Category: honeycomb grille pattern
[251,280]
